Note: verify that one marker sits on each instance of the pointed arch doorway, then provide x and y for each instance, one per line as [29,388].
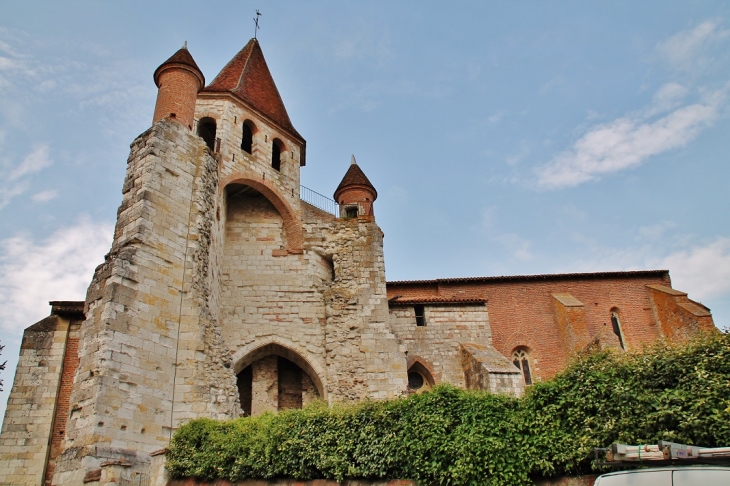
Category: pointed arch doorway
[273,377]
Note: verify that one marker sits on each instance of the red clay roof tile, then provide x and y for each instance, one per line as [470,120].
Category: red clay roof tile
[549,276]
[355,177]
[182,56]
[247,75]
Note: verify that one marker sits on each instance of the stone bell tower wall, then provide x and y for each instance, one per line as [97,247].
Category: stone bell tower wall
[151,354]
[270,296]
[230,113]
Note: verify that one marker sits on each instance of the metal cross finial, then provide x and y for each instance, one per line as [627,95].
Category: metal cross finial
[256,21]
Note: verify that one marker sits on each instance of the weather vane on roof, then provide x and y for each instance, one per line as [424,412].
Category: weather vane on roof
[256,21]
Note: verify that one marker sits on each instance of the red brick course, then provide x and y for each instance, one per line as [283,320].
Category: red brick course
[70,364]
[177,93]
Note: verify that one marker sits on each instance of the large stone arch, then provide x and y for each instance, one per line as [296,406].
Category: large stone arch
[292,224]
[277,346]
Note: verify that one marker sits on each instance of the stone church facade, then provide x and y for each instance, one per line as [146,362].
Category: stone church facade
[231,290]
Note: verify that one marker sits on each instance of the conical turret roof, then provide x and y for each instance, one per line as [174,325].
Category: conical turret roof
[181,58]
[247,75]
[355,177]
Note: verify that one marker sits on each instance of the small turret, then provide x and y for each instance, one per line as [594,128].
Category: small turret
[355,194]
[178,82]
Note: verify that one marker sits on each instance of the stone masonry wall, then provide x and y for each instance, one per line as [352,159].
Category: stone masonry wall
[269,295]
[149,355]
[436,345]
[363,356]
[27,429]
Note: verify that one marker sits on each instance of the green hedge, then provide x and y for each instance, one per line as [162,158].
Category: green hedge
[452,436]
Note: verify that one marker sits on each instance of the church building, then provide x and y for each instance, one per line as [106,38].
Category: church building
[232,290]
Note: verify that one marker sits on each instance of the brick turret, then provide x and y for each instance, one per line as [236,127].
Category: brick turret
[178,82]
[355,194]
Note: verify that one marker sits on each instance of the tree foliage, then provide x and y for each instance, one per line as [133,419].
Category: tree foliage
[450,436]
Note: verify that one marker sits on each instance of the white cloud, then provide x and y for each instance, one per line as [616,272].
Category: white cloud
[656,231]
[700,268]
[32,273]
[689,49]
[703,270]
[8,192]
[16,183]
[668,97]
[518,247]
[45,196]
[627,142]
[60,267]
[668,122]
[35,161]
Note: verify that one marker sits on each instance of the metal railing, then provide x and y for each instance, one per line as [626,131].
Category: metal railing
[319,201]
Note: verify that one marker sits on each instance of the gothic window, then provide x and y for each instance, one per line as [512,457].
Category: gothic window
[247,137]
[206,131]
[521,359]
[419,378]
[420,313]
[277,148]
[616,325]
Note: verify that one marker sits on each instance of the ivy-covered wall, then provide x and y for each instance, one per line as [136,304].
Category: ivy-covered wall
[453,436]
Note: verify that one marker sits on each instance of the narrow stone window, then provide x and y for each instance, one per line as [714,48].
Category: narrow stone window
[276,150]
[616,324]
[247,136]
[206,131]
[420,313]
[521,359]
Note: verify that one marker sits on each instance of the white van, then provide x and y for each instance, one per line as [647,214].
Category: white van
[668,476]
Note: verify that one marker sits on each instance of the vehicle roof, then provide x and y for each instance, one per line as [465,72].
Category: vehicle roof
[667,468]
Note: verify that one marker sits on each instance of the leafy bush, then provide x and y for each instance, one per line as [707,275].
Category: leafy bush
[452,436]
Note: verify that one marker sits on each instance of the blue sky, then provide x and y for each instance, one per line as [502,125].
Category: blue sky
[503,137]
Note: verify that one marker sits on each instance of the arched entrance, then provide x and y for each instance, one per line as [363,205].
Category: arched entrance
[273,377]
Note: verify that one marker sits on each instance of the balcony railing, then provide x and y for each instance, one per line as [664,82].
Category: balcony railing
[319,201]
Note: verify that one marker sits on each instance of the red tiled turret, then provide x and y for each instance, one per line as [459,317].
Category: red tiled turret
[178,81]
[356,188]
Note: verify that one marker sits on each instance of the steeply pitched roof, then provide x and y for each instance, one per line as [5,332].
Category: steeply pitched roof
[181,57]
[355,177]
[247,75]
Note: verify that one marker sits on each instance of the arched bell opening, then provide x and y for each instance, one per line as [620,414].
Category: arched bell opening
[273,378]
[247,130]
[277,148]
[206,131]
